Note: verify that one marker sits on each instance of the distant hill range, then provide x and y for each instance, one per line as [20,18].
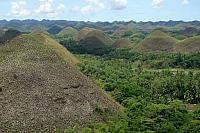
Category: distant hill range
[26,25]
[162,36]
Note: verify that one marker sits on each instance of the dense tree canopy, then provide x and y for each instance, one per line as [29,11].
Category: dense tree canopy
[160,91]
[155,101]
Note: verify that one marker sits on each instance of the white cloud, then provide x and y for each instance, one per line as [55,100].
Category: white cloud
[92,6]
[45,6]
[157,3]
[118,4]
[185,2]
[50,8]
[18,8]
[61,7]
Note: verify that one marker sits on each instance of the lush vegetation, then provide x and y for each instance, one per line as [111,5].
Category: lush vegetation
[160,91]
[149,60]
[76,48]
[155,101]
[158,60]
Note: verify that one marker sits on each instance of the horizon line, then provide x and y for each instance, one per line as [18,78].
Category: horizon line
[40,20]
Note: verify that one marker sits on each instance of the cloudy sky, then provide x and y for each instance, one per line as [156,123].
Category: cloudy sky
[101,10]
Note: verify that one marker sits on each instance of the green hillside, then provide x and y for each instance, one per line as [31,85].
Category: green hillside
[54,29]
[69,32]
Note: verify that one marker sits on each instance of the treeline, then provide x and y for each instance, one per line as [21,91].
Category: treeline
[159,60]
[150,60]
[76,48]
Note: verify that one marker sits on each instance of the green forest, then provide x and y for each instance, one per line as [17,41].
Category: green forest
[160,92]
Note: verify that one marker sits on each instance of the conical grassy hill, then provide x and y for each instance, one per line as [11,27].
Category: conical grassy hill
[157,41]
[41,91]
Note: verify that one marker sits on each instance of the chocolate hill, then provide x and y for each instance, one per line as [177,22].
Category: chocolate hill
[189,45]
[189,31]
[122,43]
[94,39]
[157,41]
[69,32]
[41,91]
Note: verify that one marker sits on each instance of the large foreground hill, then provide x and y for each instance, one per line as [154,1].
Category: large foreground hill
[41,91]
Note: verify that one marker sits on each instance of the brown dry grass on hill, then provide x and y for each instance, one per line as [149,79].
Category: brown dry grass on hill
[189,31]
[58,48]
[157,41]
[120,31]
[84,32]
[40,90]
[122,43]
[188,45]
[96,39]
[40,31]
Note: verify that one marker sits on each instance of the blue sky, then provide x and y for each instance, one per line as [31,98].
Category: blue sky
[101,10]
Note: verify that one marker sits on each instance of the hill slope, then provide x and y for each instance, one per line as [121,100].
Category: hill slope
[69,32]
[157,41]
[54,29]
[40,91]
[121,43]
[120,31]
[40,31]
[59,49]
[84,32]
[96,39]
[191,44]
[189,31]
